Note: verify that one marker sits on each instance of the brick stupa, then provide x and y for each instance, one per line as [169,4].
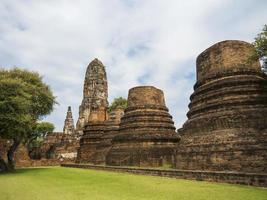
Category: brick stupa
[147,134]
[226,128]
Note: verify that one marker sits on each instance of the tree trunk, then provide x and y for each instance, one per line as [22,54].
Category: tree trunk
[10,153]
[3,165]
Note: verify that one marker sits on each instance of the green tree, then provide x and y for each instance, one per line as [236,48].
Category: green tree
[36,138]
[118,102]
[260,45]
[24,100]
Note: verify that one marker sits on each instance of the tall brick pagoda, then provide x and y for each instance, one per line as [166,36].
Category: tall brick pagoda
[93,112]
[95,94]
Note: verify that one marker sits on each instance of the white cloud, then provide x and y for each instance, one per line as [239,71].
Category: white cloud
[152,42]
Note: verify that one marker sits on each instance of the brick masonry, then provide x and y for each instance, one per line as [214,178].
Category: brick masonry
[147,134]
[226,128]
[95,93]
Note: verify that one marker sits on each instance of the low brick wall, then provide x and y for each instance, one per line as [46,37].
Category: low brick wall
[225,177]
[41,162]
[38,163]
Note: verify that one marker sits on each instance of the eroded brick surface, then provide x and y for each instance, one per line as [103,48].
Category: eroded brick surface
[147,134]
[95,94]
[96,140]
[69,124]
[227,119]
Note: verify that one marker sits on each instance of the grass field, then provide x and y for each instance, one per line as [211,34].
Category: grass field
[73,184]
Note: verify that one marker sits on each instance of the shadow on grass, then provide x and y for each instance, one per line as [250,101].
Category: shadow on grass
[26,170]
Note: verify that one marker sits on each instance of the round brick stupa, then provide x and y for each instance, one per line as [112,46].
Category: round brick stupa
[226,128]
[147,134]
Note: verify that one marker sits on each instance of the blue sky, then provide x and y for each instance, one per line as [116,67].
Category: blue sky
[141,42]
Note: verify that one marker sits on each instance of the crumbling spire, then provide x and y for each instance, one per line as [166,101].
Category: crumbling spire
[69,124]
[95,94]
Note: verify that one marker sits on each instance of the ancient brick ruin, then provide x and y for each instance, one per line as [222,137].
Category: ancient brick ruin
[226,128]
[95,94]
[93,113]
[61,145]
[226,122]
[112,126]
[147,134]
[99,126]
[69,128]
[147,111]
[50,143]
[21,156]
[89,151]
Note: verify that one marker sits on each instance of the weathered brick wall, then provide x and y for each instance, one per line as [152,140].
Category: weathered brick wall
[21,155]
[58,144]
[42,162]
[96,141]
[22,158]
[90,150]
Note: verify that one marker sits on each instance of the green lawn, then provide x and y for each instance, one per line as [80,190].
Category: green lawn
[70,184]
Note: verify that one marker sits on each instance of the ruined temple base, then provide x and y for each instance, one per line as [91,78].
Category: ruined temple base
[253,179]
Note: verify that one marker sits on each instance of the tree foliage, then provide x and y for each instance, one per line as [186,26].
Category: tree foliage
[24,100]
[37,136]
[119,102]
[260,45]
